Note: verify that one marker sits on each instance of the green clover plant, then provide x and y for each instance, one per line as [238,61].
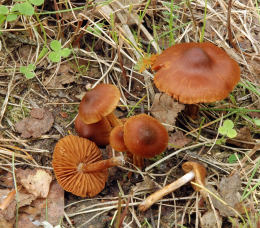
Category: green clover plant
[25,7]
[28,71]
[58,51]
[227,129]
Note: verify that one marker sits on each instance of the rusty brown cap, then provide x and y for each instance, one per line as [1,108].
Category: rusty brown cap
[98,103]
[69,156]
[196,73]
[145,136]
[199,171]
[116,139]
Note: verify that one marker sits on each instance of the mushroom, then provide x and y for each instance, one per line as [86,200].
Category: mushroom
[193,170]
[144,137]
[78,166]
[116,139]
[195,72]
[98,103]
[96,132]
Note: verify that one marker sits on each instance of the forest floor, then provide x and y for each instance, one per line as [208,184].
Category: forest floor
[107,41]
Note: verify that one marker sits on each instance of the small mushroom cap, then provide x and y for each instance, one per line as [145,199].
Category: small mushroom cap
[96,132]
[196,73]
[116,139]
[145,136]
[98,103]
[70,153]
[199,171]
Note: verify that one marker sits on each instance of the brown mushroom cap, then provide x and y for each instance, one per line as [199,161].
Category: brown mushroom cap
[199,171]
[145,136]
[196,72]
[98,103]
[96,132]
[69,156]
[116,139]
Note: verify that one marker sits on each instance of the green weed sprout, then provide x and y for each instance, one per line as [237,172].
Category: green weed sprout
[58,51]
[28,71]
[227,129]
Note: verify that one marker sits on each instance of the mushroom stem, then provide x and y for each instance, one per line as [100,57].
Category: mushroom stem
[113,120]
[138,161]
[150,200]
[101,165]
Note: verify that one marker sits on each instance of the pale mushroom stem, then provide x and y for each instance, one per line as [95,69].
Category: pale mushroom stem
[113,120]
[101,165]
[150,200]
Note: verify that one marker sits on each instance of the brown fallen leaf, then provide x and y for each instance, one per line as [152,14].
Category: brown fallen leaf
[166,110]
[36,212]
[178,140]
[210,220]
[65,75]
[40,121]
[146,184]
[243,139]
[4,223]
[35,181]
[229,192]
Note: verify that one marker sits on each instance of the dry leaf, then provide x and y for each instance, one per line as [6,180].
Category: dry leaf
[210,220]
[64,76]
[36,181]
[228,191]
[165,109]
[146,184]
[4,223]
[9,212]
[36,212]
[178,140]
[243,136]
[40,121]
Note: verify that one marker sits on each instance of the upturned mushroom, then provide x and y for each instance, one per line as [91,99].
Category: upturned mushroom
[78,166]
[195,72]
[193,170]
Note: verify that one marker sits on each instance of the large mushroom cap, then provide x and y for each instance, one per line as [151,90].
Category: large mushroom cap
[145,136]
[195,73]
[69,155]
[98,103]
[199,171]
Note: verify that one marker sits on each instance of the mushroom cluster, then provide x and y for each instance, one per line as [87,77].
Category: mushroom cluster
[96,116]
[141,136]
[190,72]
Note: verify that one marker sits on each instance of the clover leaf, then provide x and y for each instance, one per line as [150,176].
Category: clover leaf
[233,158]
[227,129]
[28,71]
[58,51]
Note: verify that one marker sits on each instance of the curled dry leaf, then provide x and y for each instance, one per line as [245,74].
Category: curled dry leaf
[178,140]
[40,121]
[165,109]
[36,181]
